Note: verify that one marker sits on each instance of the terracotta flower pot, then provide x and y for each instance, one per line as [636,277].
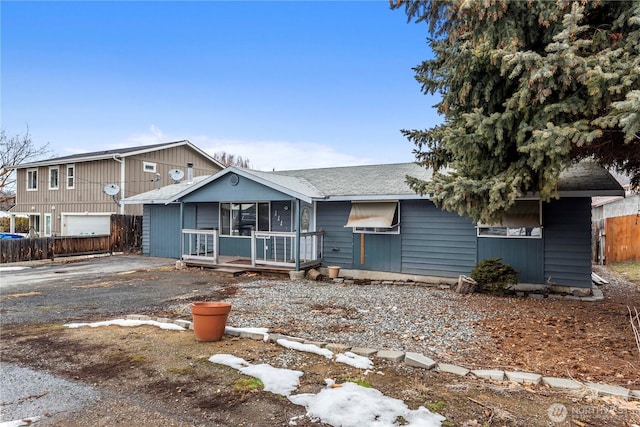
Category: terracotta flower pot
[209,319]
[334,271]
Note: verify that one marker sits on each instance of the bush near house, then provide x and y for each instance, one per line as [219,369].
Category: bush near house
[494,276]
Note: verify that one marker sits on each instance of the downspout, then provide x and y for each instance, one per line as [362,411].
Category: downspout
[297,225]
[118,158]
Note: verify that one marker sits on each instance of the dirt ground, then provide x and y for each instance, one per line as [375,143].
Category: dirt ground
[151,377]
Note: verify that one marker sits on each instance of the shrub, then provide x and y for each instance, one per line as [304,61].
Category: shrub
[494,276]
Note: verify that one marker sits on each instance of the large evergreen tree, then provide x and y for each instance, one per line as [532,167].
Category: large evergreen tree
[528,88]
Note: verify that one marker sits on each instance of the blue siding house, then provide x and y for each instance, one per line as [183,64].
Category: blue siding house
[366,220]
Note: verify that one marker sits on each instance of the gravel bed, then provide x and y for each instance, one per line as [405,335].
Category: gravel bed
[414,318]
[28,393]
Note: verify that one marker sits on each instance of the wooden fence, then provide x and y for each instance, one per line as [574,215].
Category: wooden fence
[622,239]
[126,236]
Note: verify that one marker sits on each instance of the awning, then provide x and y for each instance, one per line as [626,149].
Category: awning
[524,213]
[372,214]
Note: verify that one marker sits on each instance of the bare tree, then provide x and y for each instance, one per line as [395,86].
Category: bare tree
[15,150]
[231,160]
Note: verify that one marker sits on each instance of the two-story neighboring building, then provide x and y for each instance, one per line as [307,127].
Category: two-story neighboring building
[76,195]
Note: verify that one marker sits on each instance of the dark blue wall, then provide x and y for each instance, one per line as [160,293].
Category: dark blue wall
[567,242]
[525,255]
[338,240]
[164,231]
[382,252]
[434,242]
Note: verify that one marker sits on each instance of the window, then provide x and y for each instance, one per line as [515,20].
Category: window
[47,224]
[375,217]
[521,221]
[53,177]
[32,179]
[71,176]
[149,167]
[239,219]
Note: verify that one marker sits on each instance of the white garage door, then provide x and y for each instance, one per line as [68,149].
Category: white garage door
[82,225]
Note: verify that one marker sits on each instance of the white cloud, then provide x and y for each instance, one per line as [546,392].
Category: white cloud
[154,135]
[263,155]
[280,155]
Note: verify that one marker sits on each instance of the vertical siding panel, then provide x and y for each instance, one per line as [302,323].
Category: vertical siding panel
[206,215]
[164,231]
[434,242]
[146,225]
[338,240]
[567,242]
[525,255]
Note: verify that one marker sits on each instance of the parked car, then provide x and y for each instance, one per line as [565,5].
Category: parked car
[6,236]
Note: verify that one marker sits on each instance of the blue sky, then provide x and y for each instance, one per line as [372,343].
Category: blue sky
[287,85]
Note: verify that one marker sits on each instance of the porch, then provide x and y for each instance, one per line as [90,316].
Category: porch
[269,250]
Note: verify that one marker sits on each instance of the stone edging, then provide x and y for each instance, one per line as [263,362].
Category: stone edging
[418,360]
[595,294]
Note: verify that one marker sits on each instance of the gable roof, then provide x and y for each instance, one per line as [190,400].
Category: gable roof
[373,182]
[118,152]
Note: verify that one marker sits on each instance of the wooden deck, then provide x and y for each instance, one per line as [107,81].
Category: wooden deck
[235,266]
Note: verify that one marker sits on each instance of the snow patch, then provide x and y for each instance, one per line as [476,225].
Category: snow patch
[22,422]
[276,380]
[354,360]
[309,348]
[128,323]
[16,268]
[351,405]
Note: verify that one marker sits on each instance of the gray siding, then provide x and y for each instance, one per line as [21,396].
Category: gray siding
[164,231]
[207,215]
[146,225]
[223,190]
[338,240]
[567,242]
[434,242]
[381,252]
[525,255]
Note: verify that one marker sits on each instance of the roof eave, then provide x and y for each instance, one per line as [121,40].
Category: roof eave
[372,197]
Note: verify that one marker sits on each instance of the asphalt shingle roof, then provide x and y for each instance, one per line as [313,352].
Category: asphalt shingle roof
[376,182]
[368,180]
[97,154]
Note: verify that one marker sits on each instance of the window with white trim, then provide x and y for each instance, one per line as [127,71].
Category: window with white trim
[375,217]
[149,167]
[523,220]
[71,176]
[32,179]
[54,175]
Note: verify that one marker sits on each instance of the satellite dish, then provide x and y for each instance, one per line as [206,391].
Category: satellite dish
[111,189]
[176,174]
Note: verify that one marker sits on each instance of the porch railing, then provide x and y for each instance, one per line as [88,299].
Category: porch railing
[279,248]
[267,247]
[201,245]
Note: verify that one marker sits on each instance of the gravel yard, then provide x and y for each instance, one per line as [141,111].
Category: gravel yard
[162,378]
[395,317]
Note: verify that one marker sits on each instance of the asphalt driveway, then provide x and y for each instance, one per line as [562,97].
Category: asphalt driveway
[95,287]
